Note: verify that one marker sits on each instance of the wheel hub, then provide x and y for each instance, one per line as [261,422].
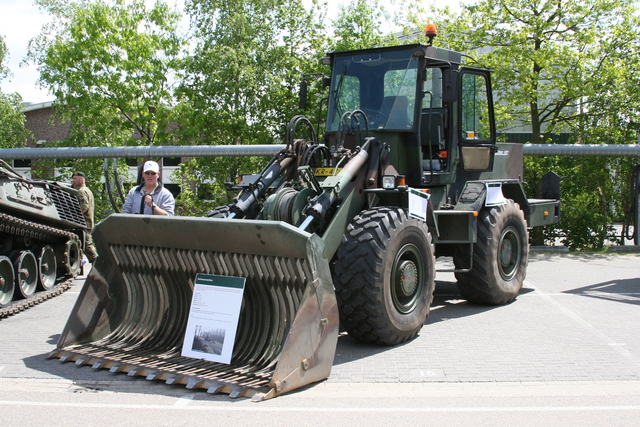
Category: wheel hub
[506,252]
[509,253]
[408,278]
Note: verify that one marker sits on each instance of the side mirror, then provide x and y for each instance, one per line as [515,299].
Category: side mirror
[450,85]
[302,103]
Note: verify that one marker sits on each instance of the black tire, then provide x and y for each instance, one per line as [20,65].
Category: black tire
[219,212]
[500,257]
[224,211]
[377,303]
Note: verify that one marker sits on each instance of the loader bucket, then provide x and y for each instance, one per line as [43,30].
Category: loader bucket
[132,312]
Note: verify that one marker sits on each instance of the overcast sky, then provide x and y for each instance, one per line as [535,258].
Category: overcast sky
[20,21]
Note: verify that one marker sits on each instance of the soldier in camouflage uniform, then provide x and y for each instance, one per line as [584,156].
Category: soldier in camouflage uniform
[86,204]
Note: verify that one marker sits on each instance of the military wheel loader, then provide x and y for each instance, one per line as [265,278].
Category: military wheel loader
[345,231]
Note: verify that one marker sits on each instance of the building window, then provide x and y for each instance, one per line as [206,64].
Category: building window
[171,161]
[174,188]
[22,163]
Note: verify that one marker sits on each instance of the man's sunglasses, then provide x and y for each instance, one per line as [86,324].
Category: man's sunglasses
[149,173]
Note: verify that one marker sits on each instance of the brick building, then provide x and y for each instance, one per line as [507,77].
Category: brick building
[45,128]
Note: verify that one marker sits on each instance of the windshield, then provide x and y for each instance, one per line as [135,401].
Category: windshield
[381,84]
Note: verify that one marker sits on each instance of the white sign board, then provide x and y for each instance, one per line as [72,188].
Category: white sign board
[418,201]
[213,317]
[494,194]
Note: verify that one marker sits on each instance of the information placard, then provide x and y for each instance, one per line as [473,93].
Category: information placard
[494,194]
[418,202]
[213,317]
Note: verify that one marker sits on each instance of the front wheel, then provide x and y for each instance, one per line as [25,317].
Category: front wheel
[384,275]
[500,256]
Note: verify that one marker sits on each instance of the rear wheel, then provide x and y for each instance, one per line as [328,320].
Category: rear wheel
[500,256]
[384,275]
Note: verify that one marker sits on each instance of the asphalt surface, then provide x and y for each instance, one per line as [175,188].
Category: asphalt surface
[566,352]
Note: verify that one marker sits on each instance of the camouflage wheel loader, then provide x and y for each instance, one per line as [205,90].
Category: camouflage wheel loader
[344,231]
[41,239]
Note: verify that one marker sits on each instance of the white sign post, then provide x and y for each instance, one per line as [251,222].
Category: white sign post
[213,317]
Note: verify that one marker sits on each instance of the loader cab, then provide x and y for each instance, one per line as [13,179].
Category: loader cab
[435,116]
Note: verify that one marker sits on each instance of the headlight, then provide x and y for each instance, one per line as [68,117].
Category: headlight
[391,182]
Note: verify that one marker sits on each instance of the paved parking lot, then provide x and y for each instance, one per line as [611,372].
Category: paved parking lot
[573,331]
[576,319]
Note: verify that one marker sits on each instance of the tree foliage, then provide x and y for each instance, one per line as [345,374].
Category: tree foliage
[111,65]
[359,25]
[551,59]
[13,133]
[242,78]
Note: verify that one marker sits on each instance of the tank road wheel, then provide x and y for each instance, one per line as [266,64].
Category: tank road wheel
[26,269]
[384,275]
[7,281]
[47,267]
[73,257]
[500,256]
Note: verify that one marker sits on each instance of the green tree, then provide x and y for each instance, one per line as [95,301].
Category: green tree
[112,66]
[242,80]
[359,25]
[551,59]
[13,133]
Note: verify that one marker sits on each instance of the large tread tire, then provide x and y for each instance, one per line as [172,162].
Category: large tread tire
[500,257]
[219,212]
[384,276]
[225,210]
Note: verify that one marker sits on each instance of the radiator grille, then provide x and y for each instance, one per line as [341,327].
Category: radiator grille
[67,205]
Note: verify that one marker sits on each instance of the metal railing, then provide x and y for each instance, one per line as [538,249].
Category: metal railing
[139,151]
[268,150]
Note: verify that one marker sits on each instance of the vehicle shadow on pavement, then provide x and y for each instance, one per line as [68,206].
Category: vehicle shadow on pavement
[621,290]
[574,256]
[447,304]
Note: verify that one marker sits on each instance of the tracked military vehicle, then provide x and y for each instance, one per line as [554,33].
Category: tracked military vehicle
[340,231]
[41,239]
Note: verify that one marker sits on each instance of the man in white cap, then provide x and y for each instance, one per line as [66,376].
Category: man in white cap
[150,197]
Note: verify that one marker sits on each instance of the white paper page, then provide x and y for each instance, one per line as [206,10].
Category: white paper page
[418,202]
[213,317]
